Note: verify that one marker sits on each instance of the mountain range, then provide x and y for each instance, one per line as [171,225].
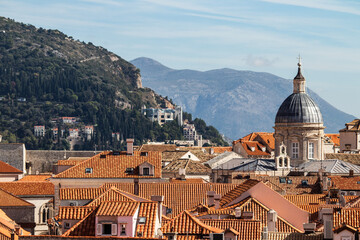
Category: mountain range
[235,102]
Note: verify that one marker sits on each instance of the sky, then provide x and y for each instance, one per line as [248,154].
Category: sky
[257,35]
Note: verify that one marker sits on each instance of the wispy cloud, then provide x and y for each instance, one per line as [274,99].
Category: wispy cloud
[328,5]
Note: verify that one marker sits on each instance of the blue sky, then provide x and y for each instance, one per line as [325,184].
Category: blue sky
[263,36]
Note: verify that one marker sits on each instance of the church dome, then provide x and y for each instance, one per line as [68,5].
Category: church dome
[299,108]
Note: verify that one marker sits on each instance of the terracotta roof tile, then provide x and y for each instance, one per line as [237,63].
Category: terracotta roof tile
[158,147]
[295,236]
[254,148]
[335,138]
[72,161]
[349,216]
[8,199]
[85,227]
[185,223]
[347,157]
[22,188]
[247,229]
[177,196]
[148,210]
[111,194]
[35,178]
[80,193]
[188,180]
[236,192]
[6,168]
[261,137]
[74,213]
[117,208]
[108,165]
[345,183]
[190,166]
[222,149]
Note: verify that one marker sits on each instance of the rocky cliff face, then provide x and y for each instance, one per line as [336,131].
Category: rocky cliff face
[235,102]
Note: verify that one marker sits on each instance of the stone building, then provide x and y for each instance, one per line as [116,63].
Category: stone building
[299,126]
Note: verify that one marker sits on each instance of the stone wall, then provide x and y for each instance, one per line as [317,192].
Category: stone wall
[43,160]
[13,154]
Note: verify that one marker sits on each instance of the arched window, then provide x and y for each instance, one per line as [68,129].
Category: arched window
[285,162]
[280,162]
[44,213]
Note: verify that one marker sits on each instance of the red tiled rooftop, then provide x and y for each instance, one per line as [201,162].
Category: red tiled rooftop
[117,208]
[6,168]
[35,178]
[22,188]
[7,200]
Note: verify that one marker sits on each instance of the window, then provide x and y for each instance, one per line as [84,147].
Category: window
[106,229]
[282,180]
[311,150]
[295,150]
[123,230]
[146,171]
[285,162]
[88,170]
[280,162]
[304,182]
[67,225]
[129,170]
[289,181]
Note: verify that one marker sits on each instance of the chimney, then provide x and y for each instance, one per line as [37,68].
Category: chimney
[327,219]
[271,220]
[265,234]
[309,227]
[211,198]
[321,174]
[237,212]
[351,173]
[130,146]
[159,200]
[217,198]
[325,183]
[182,173]
[136,186]
[12,234]
[342,201]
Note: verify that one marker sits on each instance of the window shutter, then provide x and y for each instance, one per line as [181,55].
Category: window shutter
[114,229]
[99,229]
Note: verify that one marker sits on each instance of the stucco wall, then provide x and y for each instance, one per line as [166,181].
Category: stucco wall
[43,160]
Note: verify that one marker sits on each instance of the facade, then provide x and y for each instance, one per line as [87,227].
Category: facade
[39,131]
[190,132]
[163,115]
[350,137]
[73,133]
[89,131]
[299,125]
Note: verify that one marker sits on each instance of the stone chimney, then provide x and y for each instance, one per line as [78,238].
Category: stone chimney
[136,186]
[159,200]
[309,227]
[211,198]
[130,146]
[342,201]
[327,219]
[351,173]
[237,212]
[217,198]
[271,220]
[325,183]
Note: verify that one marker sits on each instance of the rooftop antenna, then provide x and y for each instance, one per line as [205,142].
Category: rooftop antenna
[299,62]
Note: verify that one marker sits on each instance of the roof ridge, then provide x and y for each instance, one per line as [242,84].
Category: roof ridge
[12,168]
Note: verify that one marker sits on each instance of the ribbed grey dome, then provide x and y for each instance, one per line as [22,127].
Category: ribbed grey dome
[298,108]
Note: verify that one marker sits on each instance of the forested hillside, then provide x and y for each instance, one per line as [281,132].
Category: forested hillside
[45,74]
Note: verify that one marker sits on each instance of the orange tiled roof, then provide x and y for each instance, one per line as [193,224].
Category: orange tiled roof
[236,192]
[7,200]
[188,180]
[254,148]
[349,216]
[74,213]
[112,194]
[80,193]
[85,227]
[247,229]
[306,199]
[22,188]
[222,149]
[177,196]
[71,161]
[335,138]
[7,225]
[6,168]
[117,208]
[185,223]
[264,137]
[107,165]
[158,147]
[35,178]
[148,210]
[190,166]
[295,236]
[345,183]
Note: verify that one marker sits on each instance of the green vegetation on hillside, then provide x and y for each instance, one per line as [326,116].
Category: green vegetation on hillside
[60,76]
